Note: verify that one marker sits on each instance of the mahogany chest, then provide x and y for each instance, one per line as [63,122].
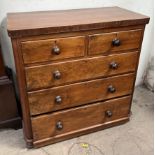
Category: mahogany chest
[76,69]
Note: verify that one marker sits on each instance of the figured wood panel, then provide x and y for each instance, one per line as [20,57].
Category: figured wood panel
[47,22]
[72,71]
[27,127]
[41,50]
[102,43]
[78,94]
[44,126]
[77,133]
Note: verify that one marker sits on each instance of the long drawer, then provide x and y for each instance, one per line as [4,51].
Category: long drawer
[53,49]
[54,74]
[85,117]
[114,42]
[78,94]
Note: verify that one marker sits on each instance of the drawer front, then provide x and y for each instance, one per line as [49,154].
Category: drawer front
[45,76]
[114,42]
[80,93]
[74,120]
[53,49]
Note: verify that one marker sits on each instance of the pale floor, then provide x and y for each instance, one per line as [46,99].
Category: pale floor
[132,138]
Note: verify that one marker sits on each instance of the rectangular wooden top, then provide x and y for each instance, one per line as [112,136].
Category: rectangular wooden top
[48,22]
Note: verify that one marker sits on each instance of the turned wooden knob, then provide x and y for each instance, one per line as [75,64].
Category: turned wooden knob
[56,50]
[111,89]
[108,113]
[57,75]
[58,99]
[113,65]
[59,125]
[116,42]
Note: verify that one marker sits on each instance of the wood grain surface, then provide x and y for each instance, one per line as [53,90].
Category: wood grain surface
[41,50]
[27,127]
[47,22]
[102,43]
[38,77]
[79,94]
[44,126]
[87,64]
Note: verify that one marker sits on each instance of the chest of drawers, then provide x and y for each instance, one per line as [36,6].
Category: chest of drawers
[76,70]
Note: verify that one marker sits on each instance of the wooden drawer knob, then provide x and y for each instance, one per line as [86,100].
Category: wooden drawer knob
[58,99]
[111,89]
[57,75]
[116,42]
[56,50]
[113,65]
[109,113]
[59,125]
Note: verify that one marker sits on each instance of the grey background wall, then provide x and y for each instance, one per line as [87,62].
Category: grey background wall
[141,6]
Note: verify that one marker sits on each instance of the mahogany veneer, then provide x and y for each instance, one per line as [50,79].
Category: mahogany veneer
[76,69]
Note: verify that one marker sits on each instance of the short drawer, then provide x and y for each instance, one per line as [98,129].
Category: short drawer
[114,42]
[79,94]
[81,118]
[45,76]
[53,49]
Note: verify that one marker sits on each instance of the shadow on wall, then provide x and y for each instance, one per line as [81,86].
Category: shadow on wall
[149,76]
[6,46]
